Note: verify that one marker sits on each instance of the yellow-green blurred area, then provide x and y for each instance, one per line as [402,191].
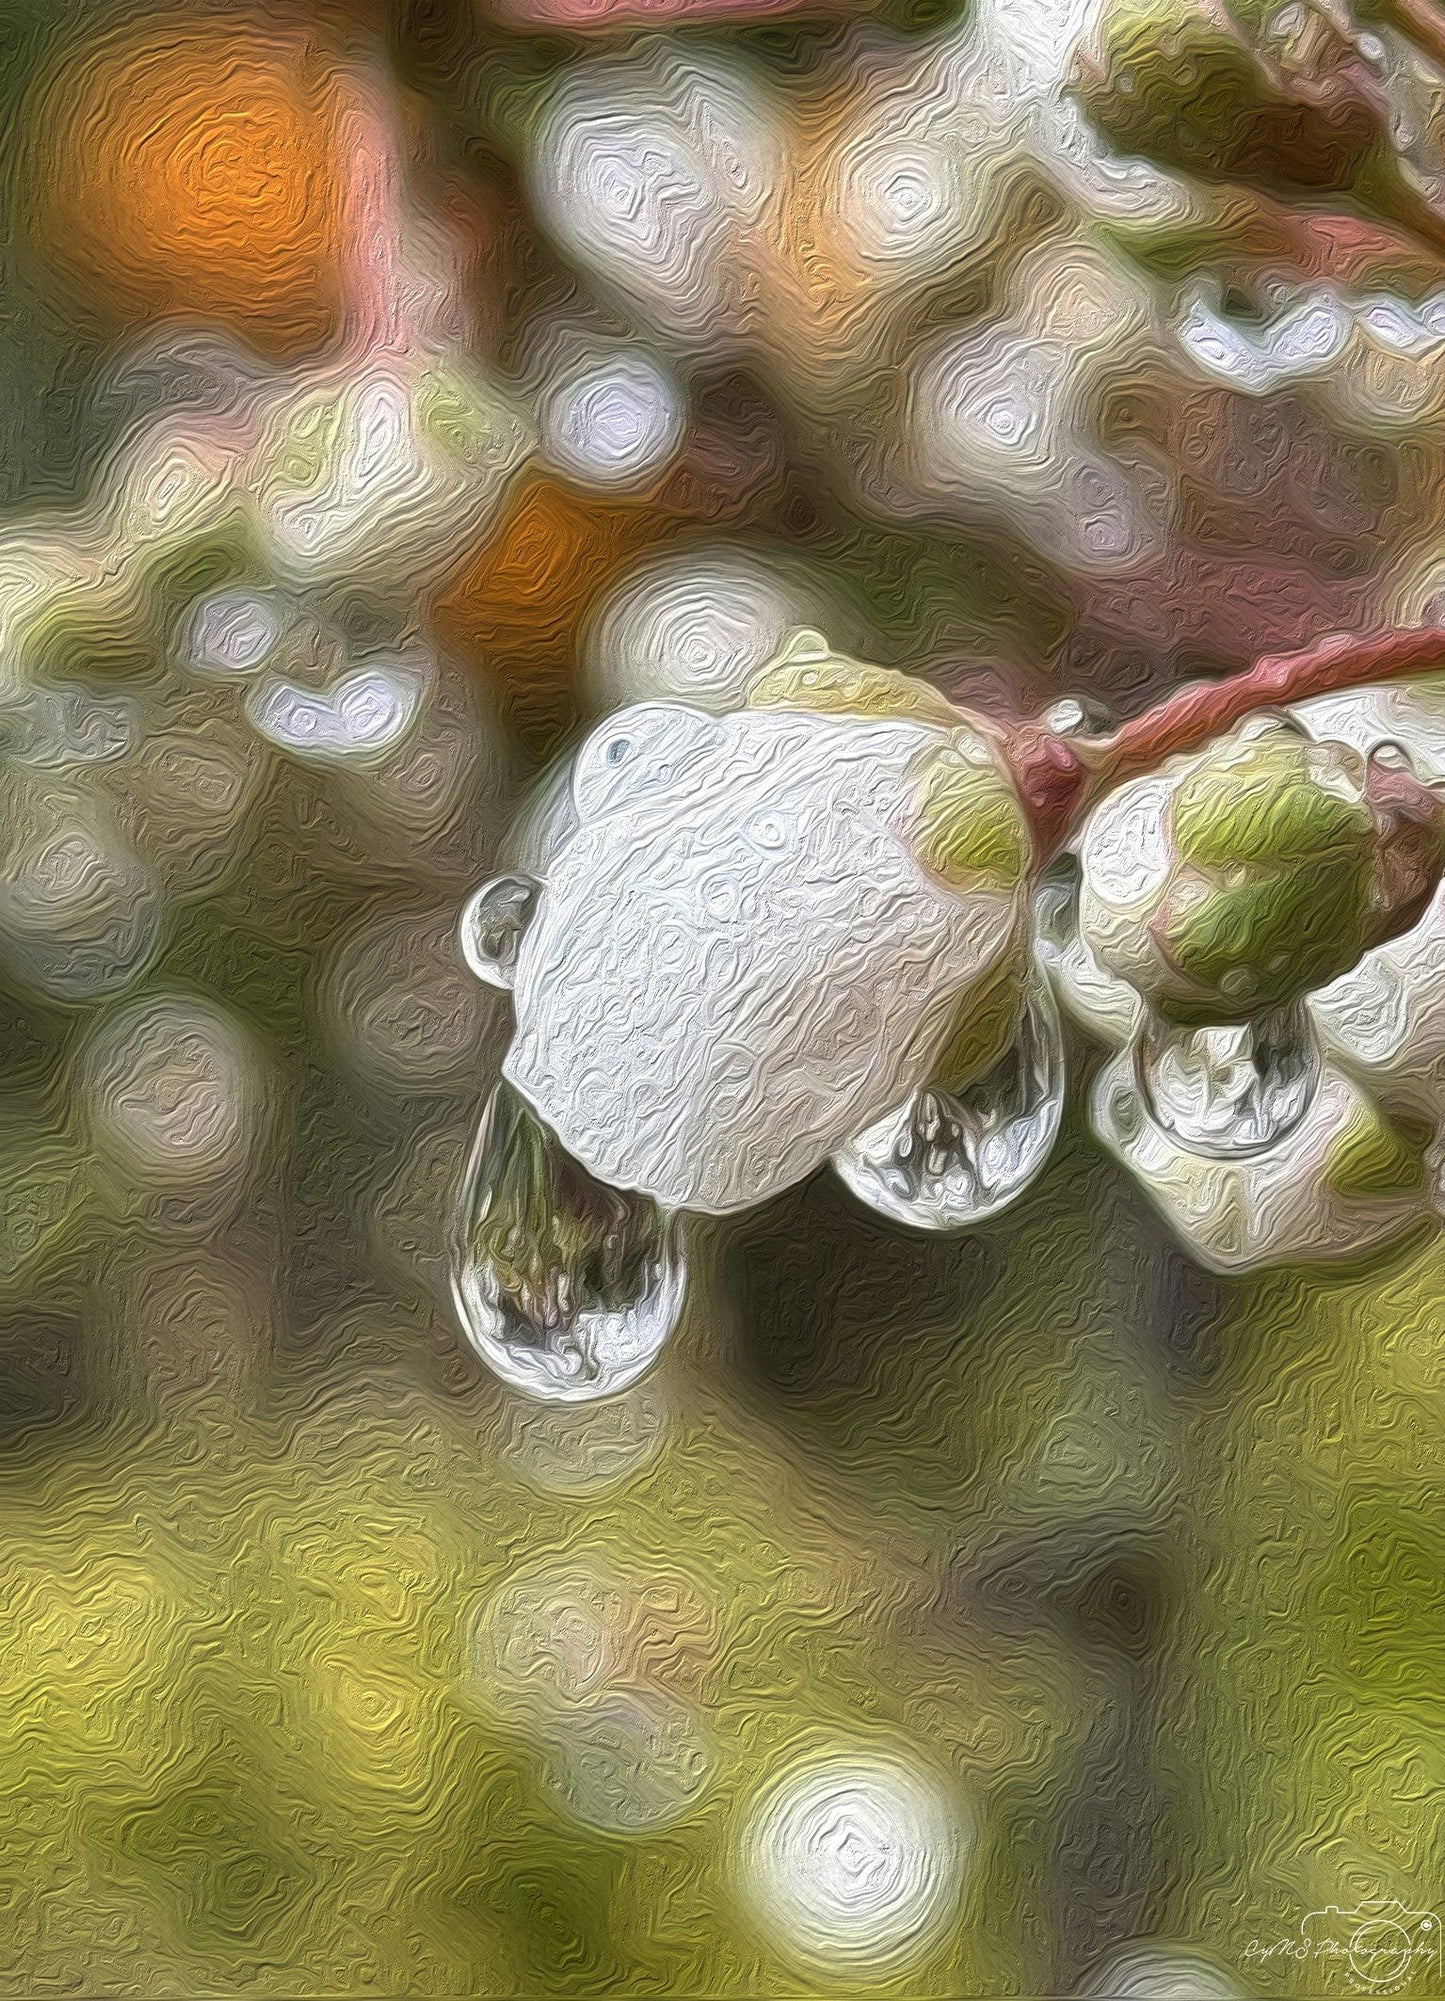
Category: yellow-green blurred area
[328,1668]
[1081,1610]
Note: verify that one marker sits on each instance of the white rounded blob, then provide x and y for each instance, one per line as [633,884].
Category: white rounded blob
[998,422]
[991,413]
[234,632]
[1408,713]
[80,914]
[633,1761]
[173,1089]
[697,626]
[902,198]
[614,422]
[649,170]
[361,716]
[549,1641]
[855,1861]
[389,472]
[400,1010]
[584,1449]
[1302,341]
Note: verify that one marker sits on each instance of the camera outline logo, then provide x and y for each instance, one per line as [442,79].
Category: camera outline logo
[1383,1946]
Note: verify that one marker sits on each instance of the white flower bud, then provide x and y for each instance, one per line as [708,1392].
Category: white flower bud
[740,961]
[1385,1018]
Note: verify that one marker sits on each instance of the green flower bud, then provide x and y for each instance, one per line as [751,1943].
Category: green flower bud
[1233,882]
[1376,1158]
[972,830]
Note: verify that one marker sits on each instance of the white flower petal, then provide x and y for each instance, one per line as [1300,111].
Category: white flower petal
[743,965]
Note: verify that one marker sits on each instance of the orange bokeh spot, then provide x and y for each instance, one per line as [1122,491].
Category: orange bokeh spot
[518,608]
[196,169]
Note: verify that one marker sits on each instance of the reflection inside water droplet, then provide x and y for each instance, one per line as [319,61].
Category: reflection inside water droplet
[566,1288]
[1232,1089]
[948,1159]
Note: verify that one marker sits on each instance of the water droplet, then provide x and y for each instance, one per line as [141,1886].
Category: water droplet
[1079,715]
[566,1288]
[1096,1000]
[1229,1090]
[948,1159]
[493,924]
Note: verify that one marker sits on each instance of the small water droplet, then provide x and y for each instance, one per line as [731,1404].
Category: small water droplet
[638,750]
[493,924]
[947,1159]
[566,1288]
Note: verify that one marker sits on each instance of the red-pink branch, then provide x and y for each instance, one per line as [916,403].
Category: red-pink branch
[1059,778]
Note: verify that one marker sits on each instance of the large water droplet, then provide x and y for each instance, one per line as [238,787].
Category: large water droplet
[566,1288]
[947,1159]
[1229,1090]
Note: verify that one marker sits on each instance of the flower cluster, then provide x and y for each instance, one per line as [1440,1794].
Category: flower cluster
[821,928]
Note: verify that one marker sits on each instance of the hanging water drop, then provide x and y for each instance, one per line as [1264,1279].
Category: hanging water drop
[948,1159]
[1231,1089]
[566,1288]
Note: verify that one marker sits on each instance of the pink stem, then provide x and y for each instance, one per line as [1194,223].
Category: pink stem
[377,284]
[1059,777]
